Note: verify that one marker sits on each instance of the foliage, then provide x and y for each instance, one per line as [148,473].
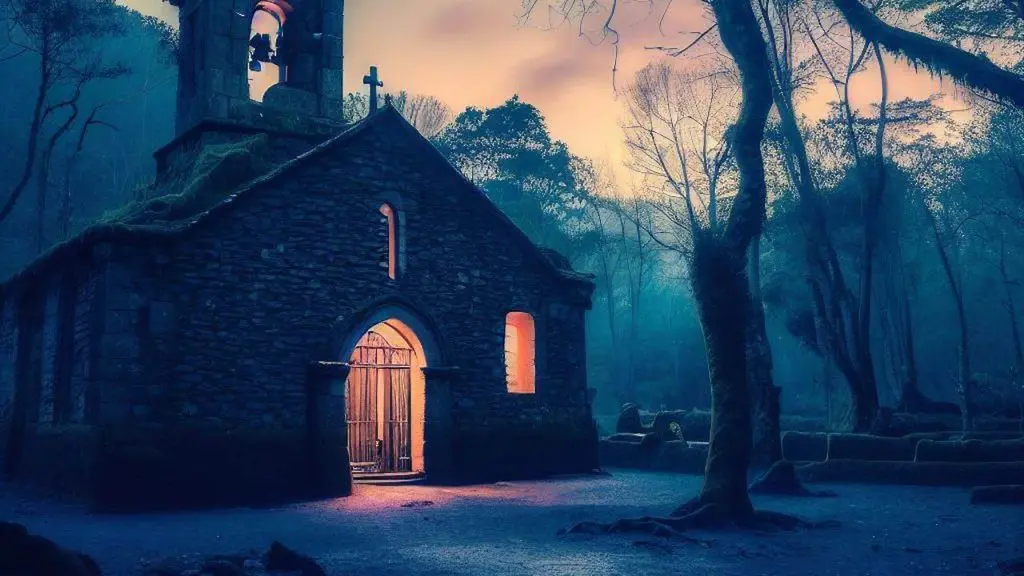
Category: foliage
[428,114]
[509,153]
[980,21]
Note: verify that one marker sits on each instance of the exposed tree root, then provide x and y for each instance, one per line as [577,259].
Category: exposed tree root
[696,516]
[781,479]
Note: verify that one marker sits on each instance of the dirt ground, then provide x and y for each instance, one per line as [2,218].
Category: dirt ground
[510,528]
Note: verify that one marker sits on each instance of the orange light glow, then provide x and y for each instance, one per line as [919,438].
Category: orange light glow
[520,353]
[389,213]
[398,334]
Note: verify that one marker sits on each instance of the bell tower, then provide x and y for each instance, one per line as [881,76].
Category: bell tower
[257,66]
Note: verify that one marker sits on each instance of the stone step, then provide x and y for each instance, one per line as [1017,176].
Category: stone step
[388,479]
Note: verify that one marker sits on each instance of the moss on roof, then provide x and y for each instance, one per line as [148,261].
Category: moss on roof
[217,172]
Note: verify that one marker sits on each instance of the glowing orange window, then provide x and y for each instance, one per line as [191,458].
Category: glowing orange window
[392,223]
[520,353]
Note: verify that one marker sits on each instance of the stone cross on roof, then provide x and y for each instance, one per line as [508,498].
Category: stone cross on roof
[373,82]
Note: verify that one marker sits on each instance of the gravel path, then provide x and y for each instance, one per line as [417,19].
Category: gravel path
[510,528]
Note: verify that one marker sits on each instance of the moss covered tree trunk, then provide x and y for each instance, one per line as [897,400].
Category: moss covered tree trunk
[962,66]
[723,303]
[767,448]
[720,280]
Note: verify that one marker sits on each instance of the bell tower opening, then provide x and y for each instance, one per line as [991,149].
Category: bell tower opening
[265,32]
[251,67]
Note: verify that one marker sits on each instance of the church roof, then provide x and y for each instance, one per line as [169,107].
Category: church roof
[126,232]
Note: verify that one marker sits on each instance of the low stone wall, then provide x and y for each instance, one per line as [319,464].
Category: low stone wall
[206,466]
[522,453]
[804,446]
[60,460]
[672,456]
[970,451]
[913,473]
[870,448]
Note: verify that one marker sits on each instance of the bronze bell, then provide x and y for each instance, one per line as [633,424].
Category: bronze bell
[260,44]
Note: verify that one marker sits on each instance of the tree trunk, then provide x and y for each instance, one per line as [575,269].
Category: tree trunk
[965,381]
[33,133]
[911,398]
[767,439]
[833,306]
[720,282]
[723,303]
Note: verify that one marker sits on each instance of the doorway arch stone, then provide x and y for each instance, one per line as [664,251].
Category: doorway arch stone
[431,418]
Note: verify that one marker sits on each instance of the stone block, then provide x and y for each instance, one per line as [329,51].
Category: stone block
[804,446]
[163,318]
[867,447]
[330,84]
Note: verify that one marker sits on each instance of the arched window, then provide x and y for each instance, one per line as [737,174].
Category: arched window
[265,33]
[391,221]
[520,353]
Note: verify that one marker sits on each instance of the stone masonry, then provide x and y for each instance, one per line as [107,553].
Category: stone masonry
[205,359]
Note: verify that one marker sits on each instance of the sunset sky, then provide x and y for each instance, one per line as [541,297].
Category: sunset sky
[472,52]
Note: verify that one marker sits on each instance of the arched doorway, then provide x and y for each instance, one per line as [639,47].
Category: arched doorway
[385,401]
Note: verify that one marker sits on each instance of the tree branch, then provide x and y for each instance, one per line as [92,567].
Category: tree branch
[963,66]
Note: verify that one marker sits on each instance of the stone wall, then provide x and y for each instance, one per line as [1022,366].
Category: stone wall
[51,298]
[276,281]
[55,441]
[8,355]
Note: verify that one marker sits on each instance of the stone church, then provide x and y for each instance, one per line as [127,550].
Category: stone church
[299,302]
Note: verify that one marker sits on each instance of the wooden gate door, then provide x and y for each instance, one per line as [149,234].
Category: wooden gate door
[378,406]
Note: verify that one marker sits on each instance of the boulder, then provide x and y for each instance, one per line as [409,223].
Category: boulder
[1011,567]
[629,420]
[22,553]
[970,451]
[222,567]
[697,425]
[671,456]
[804,446]
[280,558]
[869,448]
[668,425]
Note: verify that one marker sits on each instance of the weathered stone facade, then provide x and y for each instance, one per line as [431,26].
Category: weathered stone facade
[205,359]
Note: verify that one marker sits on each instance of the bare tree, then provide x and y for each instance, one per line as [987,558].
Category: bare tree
[65,213]
[635,217]
[721,289]
[59,34]
[428,114]
[600,213]
[675,133]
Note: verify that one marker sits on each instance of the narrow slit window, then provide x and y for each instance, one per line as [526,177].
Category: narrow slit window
[391,219]
[520,353]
